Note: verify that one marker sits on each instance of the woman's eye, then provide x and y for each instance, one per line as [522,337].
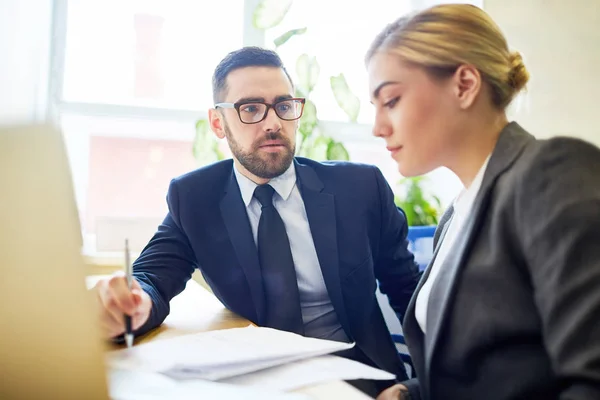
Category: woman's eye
[392,103]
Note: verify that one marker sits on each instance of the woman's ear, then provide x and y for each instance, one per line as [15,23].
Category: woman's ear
[216,123]
[467,85]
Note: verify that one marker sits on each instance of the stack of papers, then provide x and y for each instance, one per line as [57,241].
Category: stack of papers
[222,354]
[312,371]
[253,359]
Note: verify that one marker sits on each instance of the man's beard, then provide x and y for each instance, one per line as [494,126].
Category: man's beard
[263,164]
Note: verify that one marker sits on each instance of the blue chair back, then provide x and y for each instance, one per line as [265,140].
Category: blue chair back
[404,355]
[420,240]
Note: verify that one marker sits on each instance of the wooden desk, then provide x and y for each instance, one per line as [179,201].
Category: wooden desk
[197,310]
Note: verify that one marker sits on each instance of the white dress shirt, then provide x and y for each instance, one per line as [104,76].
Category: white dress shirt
[319,317]
[462,209]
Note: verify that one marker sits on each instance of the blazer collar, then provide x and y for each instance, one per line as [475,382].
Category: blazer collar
[511,142]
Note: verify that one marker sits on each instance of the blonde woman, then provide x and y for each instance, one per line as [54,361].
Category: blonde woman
[509,308]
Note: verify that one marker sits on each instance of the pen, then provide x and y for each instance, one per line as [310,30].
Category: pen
[128,274]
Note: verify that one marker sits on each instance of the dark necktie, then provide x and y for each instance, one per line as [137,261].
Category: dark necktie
[277,266]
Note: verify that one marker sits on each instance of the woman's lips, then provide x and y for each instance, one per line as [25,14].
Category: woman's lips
[394,150]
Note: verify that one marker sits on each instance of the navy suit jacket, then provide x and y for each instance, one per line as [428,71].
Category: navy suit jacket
[359,236]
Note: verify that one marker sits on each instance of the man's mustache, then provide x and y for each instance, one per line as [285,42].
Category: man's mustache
[274,136]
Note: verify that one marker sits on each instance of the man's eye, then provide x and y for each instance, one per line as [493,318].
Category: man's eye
[284,107]
[249,109]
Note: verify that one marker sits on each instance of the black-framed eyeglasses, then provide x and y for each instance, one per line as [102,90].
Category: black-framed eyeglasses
[253,112]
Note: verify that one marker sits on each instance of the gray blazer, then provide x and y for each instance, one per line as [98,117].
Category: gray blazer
[515,310]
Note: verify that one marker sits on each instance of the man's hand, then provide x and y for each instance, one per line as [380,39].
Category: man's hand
[392,393]
[116,299]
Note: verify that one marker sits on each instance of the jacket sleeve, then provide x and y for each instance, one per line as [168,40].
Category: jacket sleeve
[166,263]
[413,388]
[395,267]
[559,206]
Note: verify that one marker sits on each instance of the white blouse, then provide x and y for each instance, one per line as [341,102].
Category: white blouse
[462,208]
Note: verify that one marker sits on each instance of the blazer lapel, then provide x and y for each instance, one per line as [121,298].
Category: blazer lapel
[235,216]
[442,225]
[412,332]
[320,211]
[510,144]
[440,232]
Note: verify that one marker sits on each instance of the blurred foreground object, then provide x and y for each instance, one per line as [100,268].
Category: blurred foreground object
[50,345]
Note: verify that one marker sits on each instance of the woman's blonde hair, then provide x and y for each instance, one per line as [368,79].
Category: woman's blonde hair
[443,37]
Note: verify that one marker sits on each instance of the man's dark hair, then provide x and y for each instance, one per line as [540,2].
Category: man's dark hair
[249,56]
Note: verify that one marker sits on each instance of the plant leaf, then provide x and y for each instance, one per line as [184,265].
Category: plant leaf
[269,13]
[415,204]
[337,151]
[308,71]
[316,148]
[408,211]
[205,148]
[288,35]
[344,97]
[309,121]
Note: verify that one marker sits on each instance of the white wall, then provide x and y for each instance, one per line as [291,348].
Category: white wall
[560,43]
[25,27]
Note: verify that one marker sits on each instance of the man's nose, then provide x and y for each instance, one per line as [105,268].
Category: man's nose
[272,121]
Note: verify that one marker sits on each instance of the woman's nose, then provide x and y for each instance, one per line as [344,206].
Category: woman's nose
[381,129]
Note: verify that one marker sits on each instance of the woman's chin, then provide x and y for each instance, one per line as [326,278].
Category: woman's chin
[406,171]
[410,171]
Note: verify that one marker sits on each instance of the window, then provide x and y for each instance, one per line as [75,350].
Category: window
[133,77]
[147,53]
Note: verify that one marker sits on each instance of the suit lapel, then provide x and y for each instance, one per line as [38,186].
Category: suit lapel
[442,225]
[510,144]
[235,216]
[440,232]
[320,211]
[412,331]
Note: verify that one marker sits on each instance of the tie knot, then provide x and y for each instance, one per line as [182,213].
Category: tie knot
[264,194]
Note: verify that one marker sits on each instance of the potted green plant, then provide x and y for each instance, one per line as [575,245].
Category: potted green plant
[422,210]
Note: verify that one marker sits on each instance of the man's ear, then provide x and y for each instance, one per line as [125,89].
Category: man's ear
[467,85]
[216,122]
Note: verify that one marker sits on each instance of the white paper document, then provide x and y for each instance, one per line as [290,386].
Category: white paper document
[309,372]
[222,354]
[137,385]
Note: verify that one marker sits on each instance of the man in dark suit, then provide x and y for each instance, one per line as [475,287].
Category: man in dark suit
[283,241]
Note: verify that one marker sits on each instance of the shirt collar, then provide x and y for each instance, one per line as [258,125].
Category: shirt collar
[283,184]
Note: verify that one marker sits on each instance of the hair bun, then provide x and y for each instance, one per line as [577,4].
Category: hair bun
[518,76]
